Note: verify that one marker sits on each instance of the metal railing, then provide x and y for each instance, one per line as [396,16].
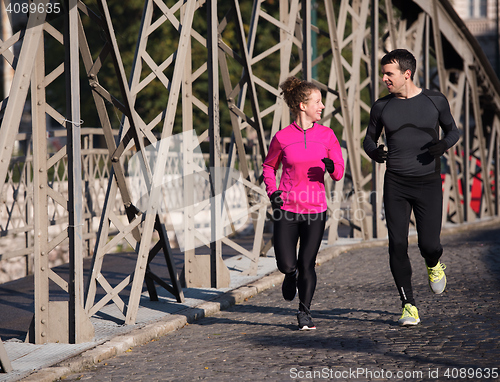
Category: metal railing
[16,196]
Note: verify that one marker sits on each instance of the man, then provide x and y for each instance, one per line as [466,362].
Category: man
[411,118]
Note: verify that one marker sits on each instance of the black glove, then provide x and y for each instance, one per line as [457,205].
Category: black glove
[276,200]
[438,149]
[379,154]
[329,166]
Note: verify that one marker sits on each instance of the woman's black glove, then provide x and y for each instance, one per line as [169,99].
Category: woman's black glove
[379,154]
[276,200]
[438,149]
[328,164]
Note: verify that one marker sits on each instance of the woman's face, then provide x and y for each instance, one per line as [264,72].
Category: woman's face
[314,106]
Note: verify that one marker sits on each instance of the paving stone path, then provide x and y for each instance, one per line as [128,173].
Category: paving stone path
[355,309]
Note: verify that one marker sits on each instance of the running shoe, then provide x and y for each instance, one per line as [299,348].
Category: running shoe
[289,286]
[409,316]
[437,278]
[305,321]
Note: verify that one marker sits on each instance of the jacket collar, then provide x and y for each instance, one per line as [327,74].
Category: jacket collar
[300,128]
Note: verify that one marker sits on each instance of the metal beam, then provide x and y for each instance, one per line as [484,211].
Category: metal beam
[19,90]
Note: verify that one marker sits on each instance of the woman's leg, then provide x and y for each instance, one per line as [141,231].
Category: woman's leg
[286,236]
[311,231]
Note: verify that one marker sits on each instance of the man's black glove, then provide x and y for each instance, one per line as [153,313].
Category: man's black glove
[328,164]
[379,154]
[438,149]
[276,200]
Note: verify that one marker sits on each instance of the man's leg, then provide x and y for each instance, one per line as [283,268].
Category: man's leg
[428,215]
[397,212]
[428,210]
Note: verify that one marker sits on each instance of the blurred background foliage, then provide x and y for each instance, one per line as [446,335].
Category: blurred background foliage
[162,44]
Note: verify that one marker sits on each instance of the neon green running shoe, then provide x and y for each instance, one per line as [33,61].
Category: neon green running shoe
[437,278]
[409,316]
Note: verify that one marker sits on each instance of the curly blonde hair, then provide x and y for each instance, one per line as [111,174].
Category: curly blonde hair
[296,91]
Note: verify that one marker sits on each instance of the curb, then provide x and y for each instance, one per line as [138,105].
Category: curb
[155,330]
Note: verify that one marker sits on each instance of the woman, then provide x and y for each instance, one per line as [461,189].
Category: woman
[305,150]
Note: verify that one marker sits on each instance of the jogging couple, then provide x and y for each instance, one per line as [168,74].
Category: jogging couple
[411,118]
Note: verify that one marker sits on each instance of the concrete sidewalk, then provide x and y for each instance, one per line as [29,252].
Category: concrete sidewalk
[52,361]
[113,337]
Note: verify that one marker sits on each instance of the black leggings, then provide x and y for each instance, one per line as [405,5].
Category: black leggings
[288,228]
[425,197]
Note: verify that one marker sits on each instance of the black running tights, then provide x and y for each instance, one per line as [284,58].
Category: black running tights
[425,198]
[289,227]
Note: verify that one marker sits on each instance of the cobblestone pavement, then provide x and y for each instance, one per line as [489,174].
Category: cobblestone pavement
[355,309]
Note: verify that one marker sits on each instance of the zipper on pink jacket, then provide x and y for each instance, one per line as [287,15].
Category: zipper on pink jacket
[305,137]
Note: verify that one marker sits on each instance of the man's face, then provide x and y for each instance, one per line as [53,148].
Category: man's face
[394,79]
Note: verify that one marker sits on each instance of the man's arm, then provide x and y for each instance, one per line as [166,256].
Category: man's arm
[373,132]
[447,123]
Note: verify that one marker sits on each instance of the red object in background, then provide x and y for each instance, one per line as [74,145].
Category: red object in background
[476,188]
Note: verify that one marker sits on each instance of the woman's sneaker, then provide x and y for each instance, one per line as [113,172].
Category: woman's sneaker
[409,316]
[289,286]
[305,319]
[437,278]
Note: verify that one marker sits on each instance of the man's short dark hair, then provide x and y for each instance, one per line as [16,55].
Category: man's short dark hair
[403,58]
